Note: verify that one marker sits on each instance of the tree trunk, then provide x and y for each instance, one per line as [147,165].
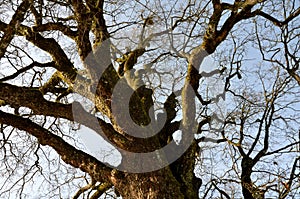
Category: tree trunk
[153,185]
[174,181]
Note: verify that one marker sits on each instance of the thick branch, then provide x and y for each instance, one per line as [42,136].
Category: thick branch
[50,45]
[214,37]
[84,22]
[67,152]
[276,21]
[13,25]
[33,99]
[55,26]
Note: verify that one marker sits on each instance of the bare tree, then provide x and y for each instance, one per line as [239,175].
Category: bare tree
[136,73]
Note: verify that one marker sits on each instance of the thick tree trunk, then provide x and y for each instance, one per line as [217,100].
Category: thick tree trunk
[247,185]
[154,185]
[174,181]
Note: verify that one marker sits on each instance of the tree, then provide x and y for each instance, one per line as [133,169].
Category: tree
[139,63]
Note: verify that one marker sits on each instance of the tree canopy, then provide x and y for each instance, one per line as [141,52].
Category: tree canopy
[149,99]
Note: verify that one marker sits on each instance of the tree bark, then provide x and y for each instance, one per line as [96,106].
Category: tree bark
[154,185]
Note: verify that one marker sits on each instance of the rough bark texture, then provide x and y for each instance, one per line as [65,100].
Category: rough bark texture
[177,180]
